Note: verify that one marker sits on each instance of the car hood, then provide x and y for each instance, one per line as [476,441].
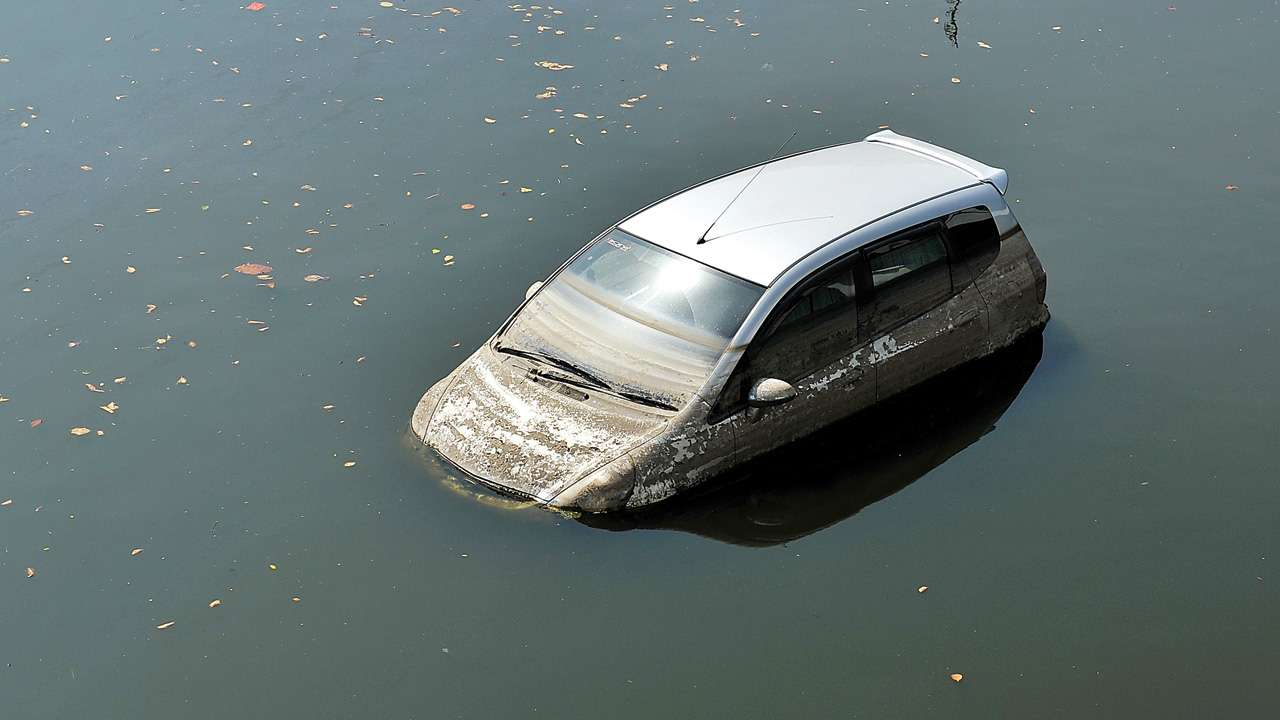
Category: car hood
[508,431]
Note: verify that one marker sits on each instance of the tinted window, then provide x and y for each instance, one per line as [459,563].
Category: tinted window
[975,242]
[910,275]
[810,330]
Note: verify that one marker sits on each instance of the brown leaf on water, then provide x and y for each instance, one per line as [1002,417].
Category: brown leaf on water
[31,572]
[131,269]
[150,308]
[1232,188]
[468,206]
[272,567]
[78,431]
[120,380]
[957,677]
[922,588]
[253,269]
[94,388]
[662,66]
[25,213]
[349,464]
[37,422]
[135,552]
[110,407]
[315,278]
[215,603]
[489,121]
[552,65]
[182,381]
[166,625]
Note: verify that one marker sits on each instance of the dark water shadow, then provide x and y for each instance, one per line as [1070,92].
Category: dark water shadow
[829,477]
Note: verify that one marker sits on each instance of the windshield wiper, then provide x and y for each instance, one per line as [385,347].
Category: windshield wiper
[557,362]
[645,399]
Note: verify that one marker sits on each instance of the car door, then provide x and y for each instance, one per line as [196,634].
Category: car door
[923,316]
[811,341]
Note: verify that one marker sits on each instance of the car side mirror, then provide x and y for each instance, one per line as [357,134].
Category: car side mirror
[532,289]
[770,392]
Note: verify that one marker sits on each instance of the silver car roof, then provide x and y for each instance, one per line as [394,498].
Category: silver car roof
[801,202]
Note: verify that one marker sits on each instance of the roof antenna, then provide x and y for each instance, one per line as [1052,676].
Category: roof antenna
[764,164]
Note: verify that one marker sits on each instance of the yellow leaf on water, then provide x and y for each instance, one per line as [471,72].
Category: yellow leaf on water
[552,65]
[135,552]
[214,603]
[490,120]
[349,464]
[315,278]
[25,213]
[110,407]
[78,431]
[166,625]
[386,4]
[272,567]
[152,211]
[957,677]
[31,572]
[468,206]
[120,380]
[131,269]
[922,588]
[662,66]
[955,80]
[182,381]
[297,599]
[526,190]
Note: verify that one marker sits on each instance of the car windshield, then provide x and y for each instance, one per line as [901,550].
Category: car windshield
[640,318]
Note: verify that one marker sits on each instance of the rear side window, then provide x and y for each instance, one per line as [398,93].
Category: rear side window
[975,242]
[909,276]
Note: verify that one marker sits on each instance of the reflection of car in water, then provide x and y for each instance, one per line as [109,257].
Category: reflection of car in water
[835,473]
[700,333]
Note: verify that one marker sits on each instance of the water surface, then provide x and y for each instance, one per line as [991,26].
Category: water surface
[1094,517]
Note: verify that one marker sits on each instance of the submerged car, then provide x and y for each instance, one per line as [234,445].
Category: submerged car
[737,316]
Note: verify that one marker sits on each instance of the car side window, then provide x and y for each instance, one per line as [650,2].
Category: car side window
[811,329]
[910,274]
[975,242]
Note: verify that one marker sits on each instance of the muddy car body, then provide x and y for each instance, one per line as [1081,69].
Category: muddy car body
[735,317]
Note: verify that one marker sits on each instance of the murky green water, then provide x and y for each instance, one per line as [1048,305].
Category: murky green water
[1095,518]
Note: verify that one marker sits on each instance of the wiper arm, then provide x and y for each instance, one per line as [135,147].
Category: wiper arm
[557,362]
[645,399]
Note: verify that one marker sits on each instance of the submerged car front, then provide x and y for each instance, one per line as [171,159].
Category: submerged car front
[603,357]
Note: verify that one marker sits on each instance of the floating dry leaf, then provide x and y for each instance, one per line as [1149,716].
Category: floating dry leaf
[78,431]
[296,599]
[272,567]
[662,66]
[135,552]
[468,206]
[166,625]
[94,388]
[6,502]
[490,121]
[31,572]
[315,278]
[182,380]
[110,407]
[120,380]
[526,190]
[349,464]
[922,588]
[214,603]
[957,677]
[37,422]
[130,269]
[253,269]
[552,65]
[955,80]
[983,45]
[86,168]
[255,6]
[312,231]
[1232,188]
[152,211]
[25,213]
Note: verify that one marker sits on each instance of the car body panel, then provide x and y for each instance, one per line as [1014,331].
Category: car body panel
[823,194]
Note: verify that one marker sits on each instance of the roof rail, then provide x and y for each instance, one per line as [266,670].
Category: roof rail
[995,176]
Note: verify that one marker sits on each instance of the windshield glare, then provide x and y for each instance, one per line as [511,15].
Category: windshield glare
[636,315]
